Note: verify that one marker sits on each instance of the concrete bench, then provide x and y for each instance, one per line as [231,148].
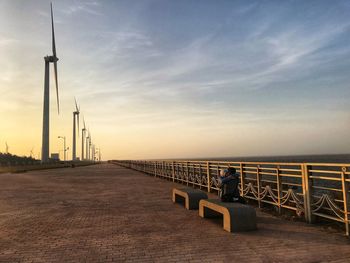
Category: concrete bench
[236,217]
[189,197]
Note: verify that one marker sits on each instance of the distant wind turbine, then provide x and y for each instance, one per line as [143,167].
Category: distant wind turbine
[99,154]
[87,145]
[31,152]
[75,117]
[90,147]
[93,152]
[7,148]
[83,140]
[46,111]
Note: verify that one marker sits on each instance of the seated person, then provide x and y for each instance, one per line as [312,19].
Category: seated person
[228,182]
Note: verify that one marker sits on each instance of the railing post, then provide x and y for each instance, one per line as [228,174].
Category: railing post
[307,185]
[258,182]
[200,175]
[242,178]
[155,169]
[217,170]
[173,170]
[182,173]
[194,173]
[279,189]
[346,198]
[208,176]
[187,173]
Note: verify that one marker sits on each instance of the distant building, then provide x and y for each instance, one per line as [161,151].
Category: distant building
[55,156]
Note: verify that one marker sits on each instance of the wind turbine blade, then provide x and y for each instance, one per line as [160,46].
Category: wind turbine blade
[76,105]
[56,80]
[53,35]
[55,60]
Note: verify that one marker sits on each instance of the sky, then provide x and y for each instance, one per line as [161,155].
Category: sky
[179,79]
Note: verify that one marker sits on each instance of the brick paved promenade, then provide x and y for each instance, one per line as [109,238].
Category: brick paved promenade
[88,214]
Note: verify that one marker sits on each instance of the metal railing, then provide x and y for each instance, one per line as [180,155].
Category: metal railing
[312,190]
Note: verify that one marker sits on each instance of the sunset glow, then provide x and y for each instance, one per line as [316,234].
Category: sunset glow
[179,79]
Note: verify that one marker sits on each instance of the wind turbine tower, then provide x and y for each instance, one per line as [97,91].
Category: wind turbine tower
[7,148]
[83,140]
[87,145]
[75,117]
[90,149]
[45,152]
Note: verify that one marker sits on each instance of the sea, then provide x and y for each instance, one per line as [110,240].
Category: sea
[316,158]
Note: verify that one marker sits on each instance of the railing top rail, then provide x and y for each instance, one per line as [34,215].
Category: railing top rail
[249,162]
[221,162]
[329,164]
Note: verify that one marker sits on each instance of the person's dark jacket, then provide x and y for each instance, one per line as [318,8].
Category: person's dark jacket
[229,186]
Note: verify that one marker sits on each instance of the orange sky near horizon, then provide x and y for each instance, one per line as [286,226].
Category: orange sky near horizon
[160,80]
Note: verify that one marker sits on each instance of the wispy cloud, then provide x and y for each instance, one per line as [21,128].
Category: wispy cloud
[6,41]
[181,65]
[83,6]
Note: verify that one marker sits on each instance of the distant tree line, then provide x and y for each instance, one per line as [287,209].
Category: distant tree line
[7,159]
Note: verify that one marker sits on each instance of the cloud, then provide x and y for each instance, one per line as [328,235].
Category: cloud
[83,6]
[245,65]
[7,41]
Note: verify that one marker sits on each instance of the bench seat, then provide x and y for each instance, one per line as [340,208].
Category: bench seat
[190,196]
[236,217]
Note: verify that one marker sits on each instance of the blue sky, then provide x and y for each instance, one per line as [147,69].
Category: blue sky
[163,79]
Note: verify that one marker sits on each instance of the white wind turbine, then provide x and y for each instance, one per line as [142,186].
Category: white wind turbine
[90,149]
[93,152]
[83,130]
[31,152]
[46,111]
[7,148]
[87,145]
[75,117]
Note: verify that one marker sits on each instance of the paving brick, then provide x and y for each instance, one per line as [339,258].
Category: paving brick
[106,213]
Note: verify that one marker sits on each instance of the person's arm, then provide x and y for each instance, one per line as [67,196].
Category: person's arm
[224,180]
[220,180]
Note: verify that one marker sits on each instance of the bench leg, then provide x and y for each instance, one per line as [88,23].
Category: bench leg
[227,222]
[209,213]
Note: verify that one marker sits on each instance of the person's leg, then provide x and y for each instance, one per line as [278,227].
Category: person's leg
[230,198]
[225,198]
[235,198]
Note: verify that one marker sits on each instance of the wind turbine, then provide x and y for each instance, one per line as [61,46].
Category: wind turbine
[82,140]
[7,148]
[98,151]
[93,152]
[46,111]
[75,116]
[87,145]
[31,152]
